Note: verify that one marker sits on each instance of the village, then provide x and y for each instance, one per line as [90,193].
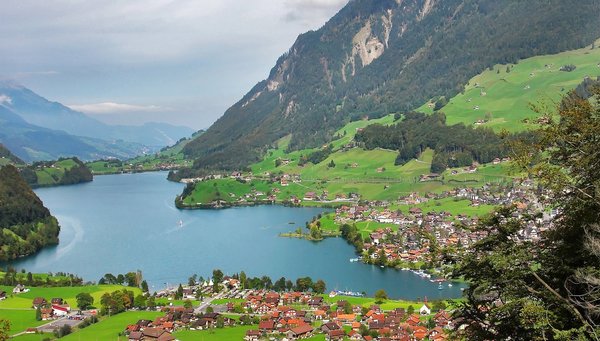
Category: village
[292,315]
[417,239]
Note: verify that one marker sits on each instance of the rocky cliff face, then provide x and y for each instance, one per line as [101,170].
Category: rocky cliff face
[376,57]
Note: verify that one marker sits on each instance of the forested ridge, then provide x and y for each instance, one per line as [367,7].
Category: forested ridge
[379,57]
[64,171]
[26,225]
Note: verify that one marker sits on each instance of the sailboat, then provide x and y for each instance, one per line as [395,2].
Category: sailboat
[180,223]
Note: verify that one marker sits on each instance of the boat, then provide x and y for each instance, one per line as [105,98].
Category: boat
[440,287]
[180,223]
[352,260]
[450,284]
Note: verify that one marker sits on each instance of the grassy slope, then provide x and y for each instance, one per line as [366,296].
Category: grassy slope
[67,293]
[508,95]
[18,309]
[356,170]
[50,176]
[171,154]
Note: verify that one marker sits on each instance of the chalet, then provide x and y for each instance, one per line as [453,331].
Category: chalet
[59,310]
[327,327]
[19,289]
[267,326]
[300,332]
[337,334]
[315,302]
[252,335]
[47,313]
[157,334]
[135,336]
[263,309]
[309,196]
[39,302]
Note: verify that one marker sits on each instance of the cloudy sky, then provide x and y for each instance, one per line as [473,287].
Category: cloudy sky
[178,61]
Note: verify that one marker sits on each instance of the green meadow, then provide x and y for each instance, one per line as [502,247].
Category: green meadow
[109,328]
[504,94]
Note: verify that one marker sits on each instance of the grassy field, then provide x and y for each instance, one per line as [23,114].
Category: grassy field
[227,333]
[48,176]
[20,320]
[67,293]
[108,329]
[504,98]
[33,337]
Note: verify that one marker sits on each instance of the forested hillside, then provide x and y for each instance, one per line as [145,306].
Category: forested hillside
[454,146]
[7,157]
[376,57]
[66,171]
[26,225]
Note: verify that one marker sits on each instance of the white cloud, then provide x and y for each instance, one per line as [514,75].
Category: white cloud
[5,100]
[111,108]
[309,10]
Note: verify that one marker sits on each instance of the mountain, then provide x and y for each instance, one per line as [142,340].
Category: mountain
[6,157]
[31,143]
[379,57]
[37,110]
[25,224]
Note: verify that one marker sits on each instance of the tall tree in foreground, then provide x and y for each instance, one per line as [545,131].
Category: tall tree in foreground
[548,289]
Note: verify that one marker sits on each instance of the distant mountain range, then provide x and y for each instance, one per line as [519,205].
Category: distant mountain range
[34,128]
[388,56]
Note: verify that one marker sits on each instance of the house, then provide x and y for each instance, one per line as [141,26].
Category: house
[57,301]
[315,302]
[310,196]
[252,335]
[337,334]
[327,327]
[19,289]
[47,313]
[300,331]
[39,302]
[156,334]
[2,295]
[266,326]
[425,310]
[59,310]
[135,336]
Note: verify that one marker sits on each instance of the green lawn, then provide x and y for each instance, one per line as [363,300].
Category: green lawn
[231,333]
[109,328]
[20,320]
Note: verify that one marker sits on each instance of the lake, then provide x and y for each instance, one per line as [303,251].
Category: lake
[122,223]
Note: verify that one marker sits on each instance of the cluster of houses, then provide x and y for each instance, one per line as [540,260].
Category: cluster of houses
[409,242]
[299,315]
[341,320]
[54,309]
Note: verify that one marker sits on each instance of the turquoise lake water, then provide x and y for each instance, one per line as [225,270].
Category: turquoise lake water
[121,223]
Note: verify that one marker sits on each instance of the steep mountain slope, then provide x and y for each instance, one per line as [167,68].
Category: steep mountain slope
[376,57]
[33,143]
[39,111]
[6,157]
[25,224]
